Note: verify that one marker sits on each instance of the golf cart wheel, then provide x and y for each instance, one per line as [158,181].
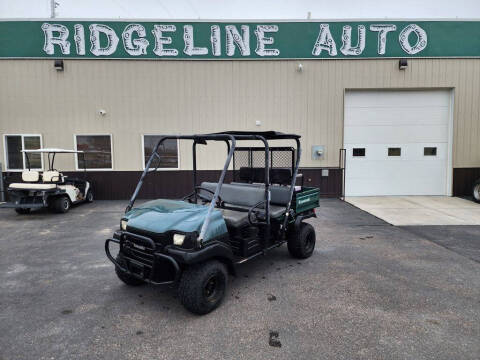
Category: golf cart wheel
[126,278]
[61,204]
[202,287]
[302,242]
[22,211]
[476,191]
[89,196]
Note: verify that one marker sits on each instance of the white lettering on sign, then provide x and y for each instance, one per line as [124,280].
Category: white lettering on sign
[325,42]
[234,38]
[161,40]
[112,40]
[262,40]
[135,47]
[79,39]
[60,39]
[190,48]
[383,30]
[135,39]
[421,39]
[215,40]
[347,48]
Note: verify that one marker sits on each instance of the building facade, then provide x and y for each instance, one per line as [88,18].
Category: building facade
[402,99]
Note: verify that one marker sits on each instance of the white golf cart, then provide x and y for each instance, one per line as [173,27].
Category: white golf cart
[49,189]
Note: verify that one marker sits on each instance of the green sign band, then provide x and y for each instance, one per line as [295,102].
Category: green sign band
[245,40]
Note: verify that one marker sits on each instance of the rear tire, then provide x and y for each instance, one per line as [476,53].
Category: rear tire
[61,204]
[202,287]
[476,191]
[22,211]
[126,278]
[301,243]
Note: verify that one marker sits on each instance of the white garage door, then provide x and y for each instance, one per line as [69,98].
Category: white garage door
[397,142]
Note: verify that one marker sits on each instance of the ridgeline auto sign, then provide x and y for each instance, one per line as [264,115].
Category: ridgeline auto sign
[54,38]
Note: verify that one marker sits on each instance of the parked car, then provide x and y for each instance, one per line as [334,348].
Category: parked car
[199,240]
[48,189]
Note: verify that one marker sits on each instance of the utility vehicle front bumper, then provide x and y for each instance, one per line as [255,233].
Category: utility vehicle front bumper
[142,259]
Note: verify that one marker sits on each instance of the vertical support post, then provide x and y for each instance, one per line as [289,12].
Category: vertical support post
[194,154]
[2,189]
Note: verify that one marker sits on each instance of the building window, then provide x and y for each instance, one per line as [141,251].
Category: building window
[15,159]
[98,150]
[394,151]
[429,151]
[358,152]
[168,152]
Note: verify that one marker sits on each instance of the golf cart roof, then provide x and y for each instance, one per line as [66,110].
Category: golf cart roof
[52,150]
[268,135]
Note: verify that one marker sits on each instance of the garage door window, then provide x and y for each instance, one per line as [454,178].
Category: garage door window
[15,159]
[98,150]
[394,151]
[430,151]
[168,152]
[358,152]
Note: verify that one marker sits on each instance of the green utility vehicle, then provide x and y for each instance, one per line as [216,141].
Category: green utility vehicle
[198,241]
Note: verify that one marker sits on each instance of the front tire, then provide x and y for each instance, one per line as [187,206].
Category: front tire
[126,278]
[61,204]
[301,243]
[22,211]
[202,287]
[476,191]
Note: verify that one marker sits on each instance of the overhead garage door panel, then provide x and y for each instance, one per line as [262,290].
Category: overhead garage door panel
[396,134]
[407,121]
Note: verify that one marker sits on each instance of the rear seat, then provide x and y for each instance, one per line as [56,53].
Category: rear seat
[247,195]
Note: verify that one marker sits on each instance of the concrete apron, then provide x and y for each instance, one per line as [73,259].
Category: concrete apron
[419,210]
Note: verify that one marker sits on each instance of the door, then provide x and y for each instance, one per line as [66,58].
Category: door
[397,142]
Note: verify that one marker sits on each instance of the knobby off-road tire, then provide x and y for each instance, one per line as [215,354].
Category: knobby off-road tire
[61,204]
[126,278]
[301,243]
[202,287]
[22,211]
[476,191]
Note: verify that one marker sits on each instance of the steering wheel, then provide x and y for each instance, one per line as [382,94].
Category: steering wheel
[196,191]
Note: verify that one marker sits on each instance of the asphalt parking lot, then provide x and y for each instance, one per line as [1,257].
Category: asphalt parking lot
[370,291]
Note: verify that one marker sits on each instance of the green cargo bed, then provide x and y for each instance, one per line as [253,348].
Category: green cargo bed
[305,200]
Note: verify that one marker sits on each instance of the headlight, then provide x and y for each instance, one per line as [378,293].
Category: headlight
[178,239]
[123,224]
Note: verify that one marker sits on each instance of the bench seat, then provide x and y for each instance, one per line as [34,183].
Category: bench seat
[31,186]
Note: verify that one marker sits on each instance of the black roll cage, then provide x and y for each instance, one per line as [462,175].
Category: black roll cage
[230,138]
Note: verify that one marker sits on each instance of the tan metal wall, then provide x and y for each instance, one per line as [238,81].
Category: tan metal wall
[148,97]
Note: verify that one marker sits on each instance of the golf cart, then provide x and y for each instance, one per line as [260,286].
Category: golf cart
[198,240]
[49,189]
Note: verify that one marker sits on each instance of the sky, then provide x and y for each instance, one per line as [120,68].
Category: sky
[242,9]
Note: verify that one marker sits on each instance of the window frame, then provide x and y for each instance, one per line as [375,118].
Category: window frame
[428,155]
[23,154]
[394,156]
[93,169]
[359,156]
[160,168]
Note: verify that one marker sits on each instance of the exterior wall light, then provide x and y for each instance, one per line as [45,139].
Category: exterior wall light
[402,64]
[58,64]
[299,67]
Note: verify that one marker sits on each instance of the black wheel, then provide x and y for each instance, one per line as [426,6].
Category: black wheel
[126,278]
[202,287]
[89,196]
[61,204]
[301,243]
[476,191]
[22,211]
